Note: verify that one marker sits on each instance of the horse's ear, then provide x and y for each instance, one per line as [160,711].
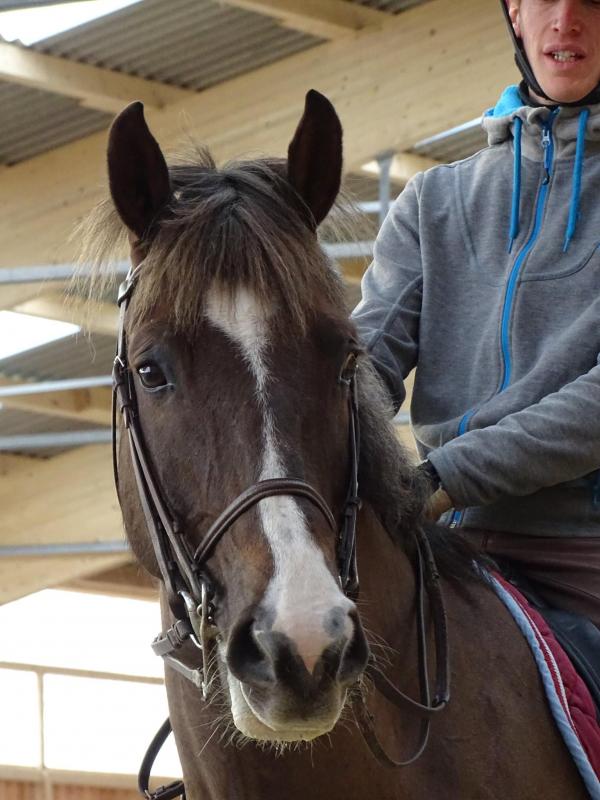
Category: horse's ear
[137,172]
[315,155]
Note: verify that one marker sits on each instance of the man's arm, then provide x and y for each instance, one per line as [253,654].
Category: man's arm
[387,317]
[554,441]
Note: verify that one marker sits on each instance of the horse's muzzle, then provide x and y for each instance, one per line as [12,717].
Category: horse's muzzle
[282,683]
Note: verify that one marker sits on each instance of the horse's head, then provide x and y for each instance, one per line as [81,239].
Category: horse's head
[241,356]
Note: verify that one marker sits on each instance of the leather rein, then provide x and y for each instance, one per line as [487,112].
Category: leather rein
[190,588]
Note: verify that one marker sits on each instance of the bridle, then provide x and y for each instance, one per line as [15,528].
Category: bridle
[190,588]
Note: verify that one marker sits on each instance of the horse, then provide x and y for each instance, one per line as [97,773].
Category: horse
[250,422]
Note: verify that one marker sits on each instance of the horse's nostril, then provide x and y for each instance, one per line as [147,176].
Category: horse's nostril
[356,654]
[261,658]
[248,658]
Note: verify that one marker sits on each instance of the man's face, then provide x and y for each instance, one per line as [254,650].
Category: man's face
[562,42]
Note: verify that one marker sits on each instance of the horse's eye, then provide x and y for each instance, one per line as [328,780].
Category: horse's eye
[348,370]
[152,376]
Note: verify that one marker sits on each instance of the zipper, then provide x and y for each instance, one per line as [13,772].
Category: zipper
[548,148]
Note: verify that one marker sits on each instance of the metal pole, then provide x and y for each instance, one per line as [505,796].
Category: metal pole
[349,249]
[47,781]
[52,272]
[41,441]
[64,549]
[21,389]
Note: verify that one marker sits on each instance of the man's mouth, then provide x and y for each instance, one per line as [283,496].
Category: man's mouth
[565,55]
[564,52]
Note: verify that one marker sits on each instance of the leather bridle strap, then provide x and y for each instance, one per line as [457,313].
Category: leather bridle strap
[175,789]
[427,581]
[347,542]
[272,487]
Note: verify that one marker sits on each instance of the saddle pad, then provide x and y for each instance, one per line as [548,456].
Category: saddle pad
[568,696]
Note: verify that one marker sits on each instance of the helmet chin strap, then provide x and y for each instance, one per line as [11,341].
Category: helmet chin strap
[524,66]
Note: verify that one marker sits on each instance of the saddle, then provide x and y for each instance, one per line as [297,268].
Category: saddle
[576,634]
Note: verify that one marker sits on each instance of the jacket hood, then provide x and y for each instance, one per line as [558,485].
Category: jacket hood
[498,123]
[543,133]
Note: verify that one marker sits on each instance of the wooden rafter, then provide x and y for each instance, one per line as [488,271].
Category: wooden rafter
[99,318]
[79,405]
[326,19]
[94,87]
[394,86]
[69,498]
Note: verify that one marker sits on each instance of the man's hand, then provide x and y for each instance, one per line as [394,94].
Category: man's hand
[438,504]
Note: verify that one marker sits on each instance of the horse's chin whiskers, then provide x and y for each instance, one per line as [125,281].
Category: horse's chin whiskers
[379,646]
[208,741]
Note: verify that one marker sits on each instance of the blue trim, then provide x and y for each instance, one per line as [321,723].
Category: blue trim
[515,272]
[516,196]
[577,172]
[457,516]
[569,736]
[456,519]
[509,102]
[464,423]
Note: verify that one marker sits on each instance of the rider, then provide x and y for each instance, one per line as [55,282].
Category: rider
[486,277]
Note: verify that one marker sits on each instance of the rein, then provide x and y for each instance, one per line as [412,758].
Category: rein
[190,589]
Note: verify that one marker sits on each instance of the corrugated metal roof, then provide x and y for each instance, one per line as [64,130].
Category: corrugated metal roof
[189,43]
[391,6]
[77,356]
[34,121]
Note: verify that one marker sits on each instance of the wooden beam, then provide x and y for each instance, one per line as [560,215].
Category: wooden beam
[99,318]
[404,166]
[22,576]
[83,405]
[129,580]
[94,87]
[68,498]
[326,19]
[392,87]
[14,293]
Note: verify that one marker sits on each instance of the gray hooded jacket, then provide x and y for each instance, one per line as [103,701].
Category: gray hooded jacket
[486,277]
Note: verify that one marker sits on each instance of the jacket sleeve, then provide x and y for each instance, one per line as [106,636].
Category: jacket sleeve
[387,317]
[554,441]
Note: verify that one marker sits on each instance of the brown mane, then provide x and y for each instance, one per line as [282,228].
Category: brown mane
[242,225]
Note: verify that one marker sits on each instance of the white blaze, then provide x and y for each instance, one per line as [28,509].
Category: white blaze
[302,590]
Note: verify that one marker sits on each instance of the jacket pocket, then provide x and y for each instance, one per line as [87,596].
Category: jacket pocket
[579,264]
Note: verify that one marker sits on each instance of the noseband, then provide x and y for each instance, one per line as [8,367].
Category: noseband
[190,587]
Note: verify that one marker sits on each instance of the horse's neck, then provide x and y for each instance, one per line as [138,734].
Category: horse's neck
[456,763]
[387,581]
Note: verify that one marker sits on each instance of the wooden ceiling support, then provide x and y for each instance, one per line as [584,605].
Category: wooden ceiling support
[94,87]
[325,19]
